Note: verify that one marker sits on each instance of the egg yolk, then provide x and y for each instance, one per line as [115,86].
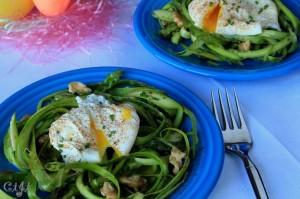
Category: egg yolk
[102,142]
[211,18]
[126,114]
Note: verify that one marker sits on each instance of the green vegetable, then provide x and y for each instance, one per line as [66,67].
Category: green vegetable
[164,15]
[4,195]
[27,146]
[270,45]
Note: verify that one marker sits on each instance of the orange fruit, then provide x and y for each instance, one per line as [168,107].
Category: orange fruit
[51,7]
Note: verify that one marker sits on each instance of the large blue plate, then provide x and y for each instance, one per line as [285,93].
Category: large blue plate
[205,168]
[146,28]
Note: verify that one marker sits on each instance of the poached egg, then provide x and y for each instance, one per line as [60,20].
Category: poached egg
[234,17]
[84,133]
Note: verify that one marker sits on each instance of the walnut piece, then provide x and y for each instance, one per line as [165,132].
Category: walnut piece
[25,117]
[136,182]
[177,18]
[42,139]
[176,159]
[79,88]
[109,191]
[244,46]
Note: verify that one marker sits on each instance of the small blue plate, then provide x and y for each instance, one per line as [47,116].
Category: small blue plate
[146,28]
[205,169]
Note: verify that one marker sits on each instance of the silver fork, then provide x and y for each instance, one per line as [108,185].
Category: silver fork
[237,140]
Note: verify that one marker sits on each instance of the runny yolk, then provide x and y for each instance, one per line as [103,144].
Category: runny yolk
[211,18]
[126,113]
[101,141]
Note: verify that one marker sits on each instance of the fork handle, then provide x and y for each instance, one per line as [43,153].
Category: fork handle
[255,178]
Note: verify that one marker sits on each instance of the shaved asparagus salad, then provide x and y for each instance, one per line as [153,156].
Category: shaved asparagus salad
[229,30]
[72,146]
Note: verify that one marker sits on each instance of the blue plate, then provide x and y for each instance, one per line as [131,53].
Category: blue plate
[205,168]
[146,28]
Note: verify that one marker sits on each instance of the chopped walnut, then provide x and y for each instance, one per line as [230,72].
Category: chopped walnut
[25,117]
[135,182]
[244,46]
[42,139]
[78,87]
[176,158]
[109,191]
[177,18]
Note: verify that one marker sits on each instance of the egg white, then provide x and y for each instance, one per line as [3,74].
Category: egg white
[84,133]
[235,17]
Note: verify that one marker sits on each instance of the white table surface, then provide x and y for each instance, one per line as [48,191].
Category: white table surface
[271,106]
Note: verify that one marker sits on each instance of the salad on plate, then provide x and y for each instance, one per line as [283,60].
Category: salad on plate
[230,30]
[119,138]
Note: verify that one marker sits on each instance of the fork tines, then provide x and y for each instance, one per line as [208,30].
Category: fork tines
[232,131]
[231,122]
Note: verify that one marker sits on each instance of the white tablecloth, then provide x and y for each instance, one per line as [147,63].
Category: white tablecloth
[271,106]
